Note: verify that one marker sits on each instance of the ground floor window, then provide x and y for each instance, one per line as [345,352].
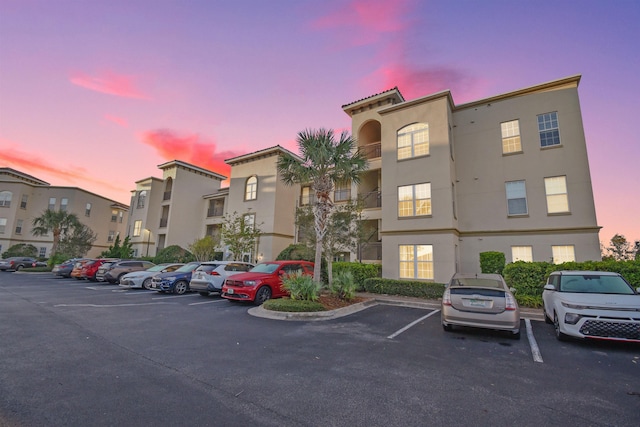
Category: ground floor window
[563,254]
[43,252]
[416,262]
[522,253]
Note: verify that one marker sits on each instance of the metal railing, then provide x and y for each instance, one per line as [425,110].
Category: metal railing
[166,195]
[371,200]
[371,151]
[164,222]
[215,211]
[371,251]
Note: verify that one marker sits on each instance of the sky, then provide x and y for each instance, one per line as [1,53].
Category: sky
[97,93]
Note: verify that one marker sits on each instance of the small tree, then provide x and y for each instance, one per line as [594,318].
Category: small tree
[21,249]
[619,248]
[239,235]
[204,249]
[56,222]
[77,243]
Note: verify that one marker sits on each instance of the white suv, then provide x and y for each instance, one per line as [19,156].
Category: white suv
[210,276]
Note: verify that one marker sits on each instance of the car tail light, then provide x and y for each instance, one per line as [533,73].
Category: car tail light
[446,298]
[214,273]
[510,302]
[11,263]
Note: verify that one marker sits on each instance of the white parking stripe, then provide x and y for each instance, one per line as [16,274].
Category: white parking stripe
[537,357]
[395,334]
[176,296]
[207,302]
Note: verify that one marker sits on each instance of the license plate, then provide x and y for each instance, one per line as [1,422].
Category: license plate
[230,291]
[477,303]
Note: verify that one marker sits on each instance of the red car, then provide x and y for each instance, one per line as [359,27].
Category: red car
[263,281]
[90,269]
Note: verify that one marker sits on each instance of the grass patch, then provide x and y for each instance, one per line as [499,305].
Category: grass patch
[293,306]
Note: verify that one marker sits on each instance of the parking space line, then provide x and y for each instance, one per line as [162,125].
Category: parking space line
[395,334]
[176,296]
[207,302]
[535,350]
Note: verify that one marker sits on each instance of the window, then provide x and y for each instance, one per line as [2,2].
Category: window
[413,141]
[251,189]
[111,236]
[64,202]
[142,197]
[548,129]
[43,252]
[3,225]
[52,203]
[23,203]
[516,198]
[137,228]
[557,198]
[249,221]
[342,192]
[5,198]
[120,216]
[114,215]
[563,254]
[416,262]
[511,137]
[522,253]
[87,210]
[414,200]
[19,226]
[306,198]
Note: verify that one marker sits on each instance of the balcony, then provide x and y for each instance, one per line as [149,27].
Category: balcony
[371,251]
[166,196]
[371,200]
[215,211]
[371,151]
[164,222]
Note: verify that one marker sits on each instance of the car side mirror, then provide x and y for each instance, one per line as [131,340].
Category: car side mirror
[549,287]
[513,290]
[638,290]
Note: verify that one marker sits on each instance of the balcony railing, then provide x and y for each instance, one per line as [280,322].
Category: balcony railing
[371,251]
[215,211]
[166,195]
[164,222]
[372,200]
[371,151]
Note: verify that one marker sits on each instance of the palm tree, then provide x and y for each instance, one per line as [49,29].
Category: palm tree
[57,222]
[323,162]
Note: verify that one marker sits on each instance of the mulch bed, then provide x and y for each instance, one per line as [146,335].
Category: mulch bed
[331,302]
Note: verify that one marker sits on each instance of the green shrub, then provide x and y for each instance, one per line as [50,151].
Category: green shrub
[529,300]
[297,252]
[429,290]
[289,305]
[492,262]
[343,286]
[360,271]
[301,287]
[173,253]
[21,249]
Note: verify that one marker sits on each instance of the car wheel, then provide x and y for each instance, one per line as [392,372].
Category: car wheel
[180,287]
[447,328]
[19,267]
[147,283]
[556,325]
[204,294]
[262,295]
[119,277]
[515,335]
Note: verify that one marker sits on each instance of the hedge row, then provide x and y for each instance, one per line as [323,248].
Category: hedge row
[429,290]
[361,272]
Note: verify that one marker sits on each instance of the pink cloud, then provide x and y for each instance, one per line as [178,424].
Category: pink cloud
[117,120]
[109,83]
[191,149]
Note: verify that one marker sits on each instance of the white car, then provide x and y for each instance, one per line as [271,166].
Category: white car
[592,304]
[210,276]
[142,279]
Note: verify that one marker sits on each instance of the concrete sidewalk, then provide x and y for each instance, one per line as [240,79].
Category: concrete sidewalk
[371,300]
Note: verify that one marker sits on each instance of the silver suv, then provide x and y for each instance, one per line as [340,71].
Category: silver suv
[115,271]
[210,276]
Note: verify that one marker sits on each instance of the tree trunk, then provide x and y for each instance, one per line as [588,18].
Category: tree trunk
[317,268]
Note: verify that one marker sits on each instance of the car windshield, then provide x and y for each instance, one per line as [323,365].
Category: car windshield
[264,268]
[157,268]
[595,284]
[187,268]
[475,282]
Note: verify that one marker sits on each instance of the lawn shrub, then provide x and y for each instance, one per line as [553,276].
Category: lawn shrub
[301,287]
[360,271]
[492,262]
[290,305]
[429,290]
[343,286]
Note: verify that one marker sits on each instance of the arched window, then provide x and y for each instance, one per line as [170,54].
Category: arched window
[251,189]
[413,141]
[5,198]
[142,197]
[167,189]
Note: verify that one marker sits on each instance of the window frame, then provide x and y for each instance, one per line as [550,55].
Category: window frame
[19,226]
[517,257]
[3,225]
[64,204]
[415,263]
[52,204]
[411,131]
[5,198]
[142,199]
[526,203]
[415,201]
[549,123]
[564,196]
[510,137]
[560,258]
[137,228]
[87,209]
[251,188]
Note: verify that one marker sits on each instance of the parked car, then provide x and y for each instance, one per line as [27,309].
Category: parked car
[39,264]
[480,301]
[592,304]
[90,268]
[115,271]
[64,269]
[176,281]
[264,281]
[76,273]
[103,269]
[16,263]
[210,276]
[142,279]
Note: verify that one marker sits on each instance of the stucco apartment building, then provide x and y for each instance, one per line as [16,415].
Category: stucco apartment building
[24,197]
[446,182]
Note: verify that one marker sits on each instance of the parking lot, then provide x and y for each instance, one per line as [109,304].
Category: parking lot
[83,353]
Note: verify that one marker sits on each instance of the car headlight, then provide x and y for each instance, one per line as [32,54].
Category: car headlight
[571,318]
[574,306]
[251,282]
